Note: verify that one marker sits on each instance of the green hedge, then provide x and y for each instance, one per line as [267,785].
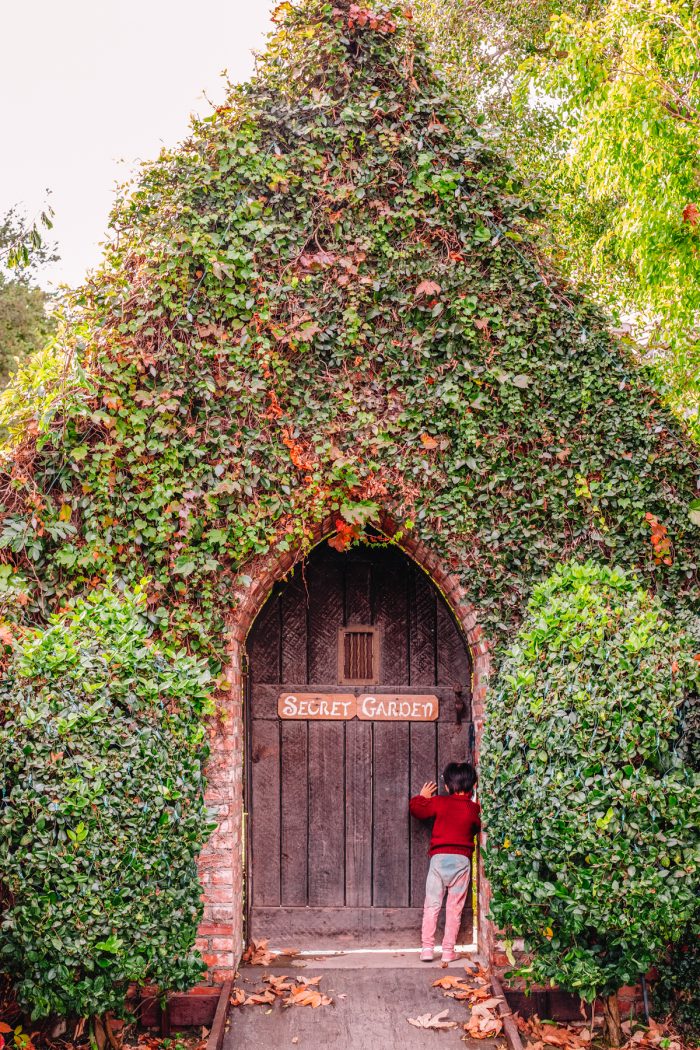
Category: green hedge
[592,815]
[677,991]
[101,750]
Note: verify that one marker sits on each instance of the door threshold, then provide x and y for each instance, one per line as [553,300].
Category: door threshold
[378,958]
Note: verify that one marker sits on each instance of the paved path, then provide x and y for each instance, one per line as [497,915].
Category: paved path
[371,1001]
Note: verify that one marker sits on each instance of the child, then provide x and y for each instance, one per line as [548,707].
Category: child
[451,846]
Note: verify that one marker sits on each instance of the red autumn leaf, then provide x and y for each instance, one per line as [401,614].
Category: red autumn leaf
[427,288]
[344,536]
[428,441]
[691,214]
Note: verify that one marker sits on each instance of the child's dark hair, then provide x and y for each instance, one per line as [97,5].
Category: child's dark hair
[459,776]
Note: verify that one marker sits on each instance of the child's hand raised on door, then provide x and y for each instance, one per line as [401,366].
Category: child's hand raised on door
[429,789]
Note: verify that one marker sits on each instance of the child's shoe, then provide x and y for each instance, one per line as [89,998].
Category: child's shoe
[449,956]
[426,955]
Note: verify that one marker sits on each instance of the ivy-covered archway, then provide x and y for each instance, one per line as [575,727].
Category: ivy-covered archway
[222,860]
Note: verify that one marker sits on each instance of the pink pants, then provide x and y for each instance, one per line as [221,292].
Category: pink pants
[451,873]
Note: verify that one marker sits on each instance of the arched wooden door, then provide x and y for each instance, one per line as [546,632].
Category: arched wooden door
[334,859]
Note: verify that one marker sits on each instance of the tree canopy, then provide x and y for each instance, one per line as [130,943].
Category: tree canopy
[599,105]
[25,322]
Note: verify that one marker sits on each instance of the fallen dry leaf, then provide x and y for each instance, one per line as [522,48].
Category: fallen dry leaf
[278,984]
[260,999]
[477,972]
[307,997]
[450,982]
[483,1022]
[490,1004]
[439,1021]
[258,954]
[237,998]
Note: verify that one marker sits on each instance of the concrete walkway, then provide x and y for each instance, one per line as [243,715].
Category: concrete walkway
[373,995]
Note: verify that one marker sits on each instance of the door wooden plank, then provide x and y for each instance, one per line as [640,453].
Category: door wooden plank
[307,928]
[327,814]
[326,613]
[264,643]
[265,806]
[357,588]
[423,629]
[390,609]
[423,767]
[358,800]
[452,654]
[453,745]
[391,816]
[293,603]
[295,813]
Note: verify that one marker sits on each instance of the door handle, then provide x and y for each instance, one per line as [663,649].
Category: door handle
[460,706]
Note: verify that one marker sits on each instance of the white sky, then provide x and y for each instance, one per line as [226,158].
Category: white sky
[90,87]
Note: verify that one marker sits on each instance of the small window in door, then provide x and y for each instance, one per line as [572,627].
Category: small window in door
[358,655]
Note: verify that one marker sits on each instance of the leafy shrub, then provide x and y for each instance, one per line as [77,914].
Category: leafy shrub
[677,991]
[101,750]
[592,816]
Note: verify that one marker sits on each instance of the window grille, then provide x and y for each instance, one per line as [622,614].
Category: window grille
[358,655]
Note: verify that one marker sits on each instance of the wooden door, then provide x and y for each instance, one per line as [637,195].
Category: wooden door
[334,857]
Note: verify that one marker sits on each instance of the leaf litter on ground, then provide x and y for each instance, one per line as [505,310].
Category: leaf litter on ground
[539,1035]
[474,989]
[293,991]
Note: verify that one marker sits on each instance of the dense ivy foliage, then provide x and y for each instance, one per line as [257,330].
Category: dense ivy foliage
[592,812]
[102,745]
[322,302]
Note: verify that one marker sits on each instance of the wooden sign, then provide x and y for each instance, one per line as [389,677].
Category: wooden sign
[392,707]
[330,706]
[370,707]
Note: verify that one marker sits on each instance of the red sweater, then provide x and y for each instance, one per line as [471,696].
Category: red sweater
[457,821]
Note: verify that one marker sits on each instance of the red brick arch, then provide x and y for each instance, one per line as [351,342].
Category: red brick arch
[221,862]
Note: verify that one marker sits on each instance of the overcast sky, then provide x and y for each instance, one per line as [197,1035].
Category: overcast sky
[90,87]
